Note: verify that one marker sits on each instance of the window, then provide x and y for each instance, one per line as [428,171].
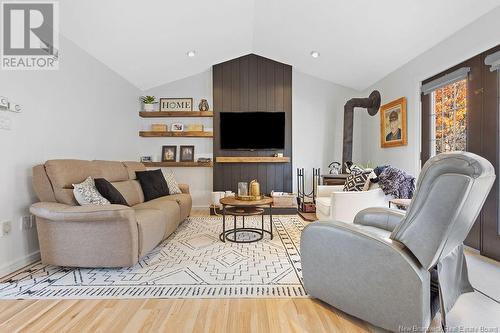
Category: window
[449,118]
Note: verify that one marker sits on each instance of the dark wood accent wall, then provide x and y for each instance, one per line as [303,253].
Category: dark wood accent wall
[253,84]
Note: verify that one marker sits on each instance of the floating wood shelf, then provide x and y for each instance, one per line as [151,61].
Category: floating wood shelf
[173,114]
[193,134]
[251,159]
[178,164]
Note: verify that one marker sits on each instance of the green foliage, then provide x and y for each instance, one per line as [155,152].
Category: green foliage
[148,99]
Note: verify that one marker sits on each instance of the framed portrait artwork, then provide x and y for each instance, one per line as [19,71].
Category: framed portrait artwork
[186,154]
[169,153]
[393,132]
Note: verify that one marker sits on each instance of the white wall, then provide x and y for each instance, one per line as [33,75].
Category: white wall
[317,123]
[84,110]
[199,179]
[475,38]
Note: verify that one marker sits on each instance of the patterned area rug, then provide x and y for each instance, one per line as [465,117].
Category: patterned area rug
[191,263]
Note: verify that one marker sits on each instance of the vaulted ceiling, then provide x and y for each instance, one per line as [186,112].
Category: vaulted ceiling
[359,41]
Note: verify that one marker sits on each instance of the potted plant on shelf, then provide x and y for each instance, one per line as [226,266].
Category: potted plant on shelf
[149,102]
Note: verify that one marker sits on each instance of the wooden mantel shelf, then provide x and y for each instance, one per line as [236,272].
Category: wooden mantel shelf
[194,134]
[178,164]
[251,159]
[173,114]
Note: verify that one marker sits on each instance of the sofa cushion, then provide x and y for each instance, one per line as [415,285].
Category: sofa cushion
[131,191]
[132,167]
[153,184]
[173,187]
[171,209]
[65,172]
[86,193]
[41,184]
[185,204]
[113,171]
[152,227]
[107,190]
[323,205]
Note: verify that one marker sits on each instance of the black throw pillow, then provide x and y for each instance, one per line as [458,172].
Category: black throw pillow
[110,192]
[153,184]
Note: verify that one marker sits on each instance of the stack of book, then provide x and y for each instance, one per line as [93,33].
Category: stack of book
[204,160]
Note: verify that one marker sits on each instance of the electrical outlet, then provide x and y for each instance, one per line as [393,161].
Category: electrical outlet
[13,107]
[27,222]
[6,228]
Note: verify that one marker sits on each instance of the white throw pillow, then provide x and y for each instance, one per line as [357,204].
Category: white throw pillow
[86,193]
[173,187]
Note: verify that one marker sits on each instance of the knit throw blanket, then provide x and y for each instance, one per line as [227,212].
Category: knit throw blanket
[396,182]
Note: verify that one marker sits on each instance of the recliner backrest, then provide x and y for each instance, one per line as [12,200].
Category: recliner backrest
[450,193]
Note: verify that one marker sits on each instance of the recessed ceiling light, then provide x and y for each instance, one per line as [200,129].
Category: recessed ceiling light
[314,54]
[191,53]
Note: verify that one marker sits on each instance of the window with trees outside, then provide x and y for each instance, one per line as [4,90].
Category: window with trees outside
[449,118]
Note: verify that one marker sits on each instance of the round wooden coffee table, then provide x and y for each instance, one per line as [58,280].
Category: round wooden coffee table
[241,208]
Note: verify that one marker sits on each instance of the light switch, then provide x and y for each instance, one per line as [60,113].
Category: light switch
[14,107]
[4,102]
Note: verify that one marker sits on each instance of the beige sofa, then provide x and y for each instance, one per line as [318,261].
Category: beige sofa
[100,236]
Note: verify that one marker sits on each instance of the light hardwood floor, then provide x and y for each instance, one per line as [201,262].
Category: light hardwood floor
[176,315]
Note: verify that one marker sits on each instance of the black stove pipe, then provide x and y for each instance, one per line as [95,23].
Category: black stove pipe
[372,104]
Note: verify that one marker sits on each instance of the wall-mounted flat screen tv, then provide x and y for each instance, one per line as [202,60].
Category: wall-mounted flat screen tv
[252,130]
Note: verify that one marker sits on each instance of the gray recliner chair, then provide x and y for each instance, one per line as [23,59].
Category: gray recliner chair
[395,270]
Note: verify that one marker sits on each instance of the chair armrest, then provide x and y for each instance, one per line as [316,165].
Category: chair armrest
[60,212]
[184,188]
[327,190]
[345,205]
[383,218]
[367,276]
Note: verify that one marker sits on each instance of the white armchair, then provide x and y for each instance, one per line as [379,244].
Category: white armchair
[333,204]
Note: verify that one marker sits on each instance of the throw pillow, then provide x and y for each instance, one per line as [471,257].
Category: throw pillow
[173,187]
[368,183]
[153,184]
[110,192]
[355,182]
[86,193]
[353,168]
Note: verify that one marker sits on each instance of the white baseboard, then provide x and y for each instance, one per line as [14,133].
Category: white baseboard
[14,265]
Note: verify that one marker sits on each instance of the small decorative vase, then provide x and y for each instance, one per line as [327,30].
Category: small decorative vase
[242,189]
[149,107]
[203,106]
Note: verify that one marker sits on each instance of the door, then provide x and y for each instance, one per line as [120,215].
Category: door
[460,108]
[490,228]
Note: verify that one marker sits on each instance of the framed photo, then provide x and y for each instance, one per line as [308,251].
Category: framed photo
[146,159]
[393,132]
[177,127]
[186,154]
[169,153]
[176,104]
